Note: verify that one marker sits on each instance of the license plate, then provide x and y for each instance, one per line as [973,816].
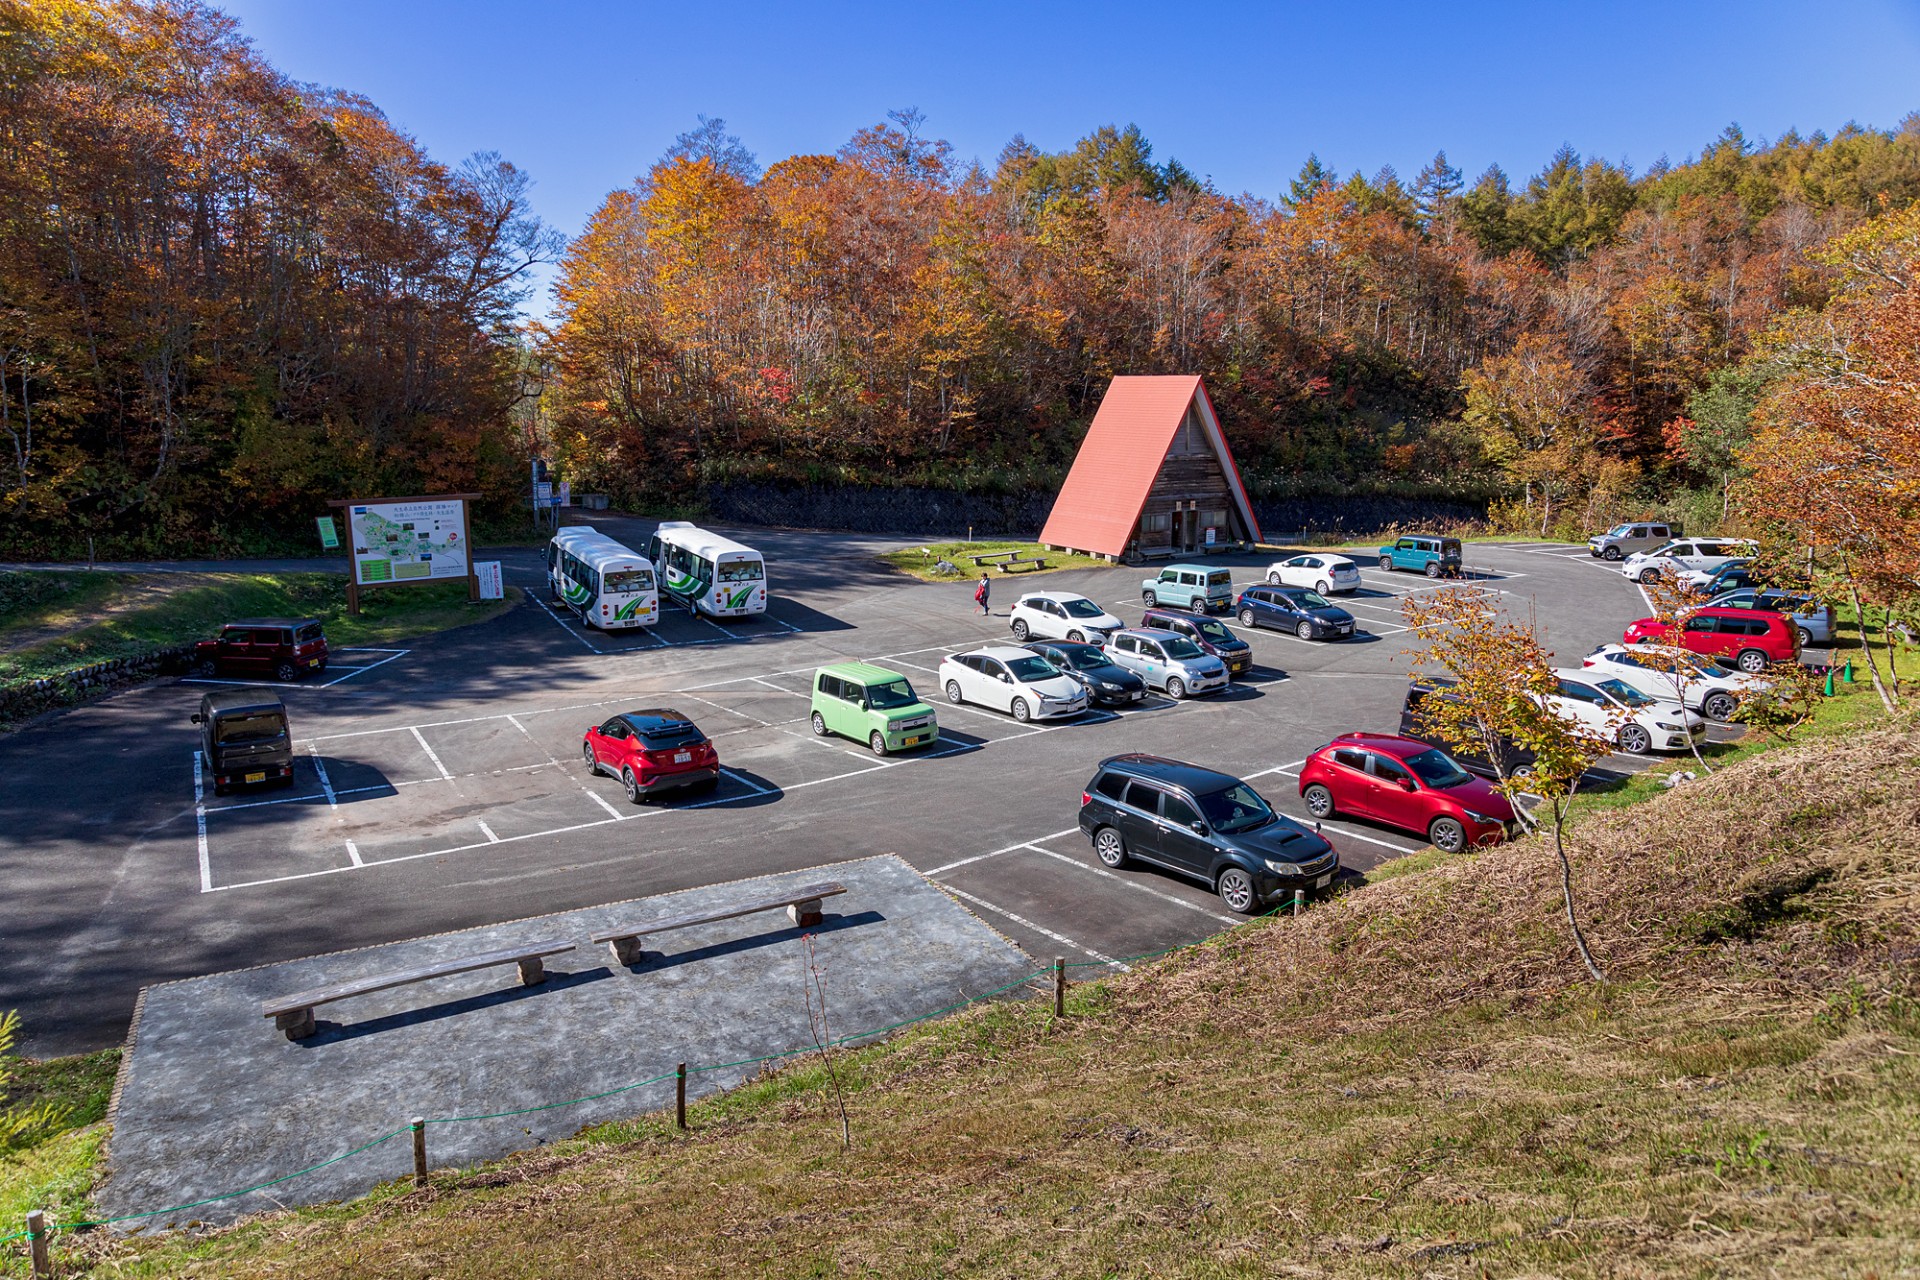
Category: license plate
[313,662]
[682,757]
[1134,696]
[256,777]
[1323,881]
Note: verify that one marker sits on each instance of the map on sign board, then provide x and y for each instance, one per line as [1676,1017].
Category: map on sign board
[408,541]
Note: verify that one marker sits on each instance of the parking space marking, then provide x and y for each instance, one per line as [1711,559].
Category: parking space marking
[1346,831]
[320,767]
[1072,861]
[353,854]
[350,669]
[487,831]
[1042,930]
[1288,769]
[982,857]
[200,821]
[699,616]
[562,624]
[765,724]
[421,739]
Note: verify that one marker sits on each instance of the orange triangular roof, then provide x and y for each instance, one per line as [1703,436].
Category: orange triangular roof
[1101,501]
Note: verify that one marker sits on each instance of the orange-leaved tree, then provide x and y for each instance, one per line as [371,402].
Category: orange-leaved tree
[1500,699]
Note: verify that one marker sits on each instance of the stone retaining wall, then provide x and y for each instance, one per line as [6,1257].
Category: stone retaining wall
[23,698]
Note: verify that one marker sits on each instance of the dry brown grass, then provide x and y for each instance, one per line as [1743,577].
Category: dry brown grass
[1412,1081]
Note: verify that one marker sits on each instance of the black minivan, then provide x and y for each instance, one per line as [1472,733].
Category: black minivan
[244,738]
[1204,824]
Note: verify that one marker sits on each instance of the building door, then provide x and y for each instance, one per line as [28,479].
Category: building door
[1186,529]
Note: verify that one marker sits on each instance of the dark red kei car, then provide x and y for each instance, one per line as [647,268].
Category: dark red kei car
[1405,783]
[651,751]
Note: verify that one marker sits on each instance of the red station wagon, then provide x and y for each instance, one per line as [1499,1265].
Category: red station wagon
[1752,638]
[651,751]
[1405,783]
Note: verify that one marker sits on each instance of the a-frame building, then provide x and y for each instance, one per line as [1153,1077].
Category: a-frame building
[1153,477]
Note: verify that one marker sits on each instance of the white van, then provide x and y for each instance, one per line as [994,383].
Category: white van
[610,585]
[1682,554]
[708,572]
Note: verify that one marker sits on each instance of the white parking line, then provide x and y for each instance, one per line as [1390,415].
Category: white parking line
[487,831]
[353,854]
[1072,861]
[320,767]
[1042,930]
[419,738]
[982,857]
[1345,832]
[200,821]
[351,672]
[562,625]
[1287,768]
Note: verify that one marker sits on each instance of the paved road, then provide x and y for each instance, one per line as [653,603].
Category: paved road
[441,785]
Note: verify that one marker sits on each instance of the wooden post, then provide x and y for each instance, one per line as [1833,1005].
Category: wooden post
[1059,986]
[419,1126]
[353,587]
[466,534]
[680,1095]
[37,1244]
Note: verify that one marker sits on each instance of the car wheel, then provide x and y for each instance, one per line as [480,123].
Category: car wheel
[1521,773]
[1236,890]
[1077,637]
[1304,630]
[1273,579]
[1319,801]
[953,692]
[1246,617]
[207,670]
[1176,688]
[1323,587]
[587,758]
[1648,574]
[1021,711]
[1386,562]
[1751,661]
[1149,599]
[1611,553]
[877,741]
[1020,630]
[819,724]
[632,785]
[1634,740]
[1110,848]
[1433,568]
[1719,706]
[1448,835]
[1806,636]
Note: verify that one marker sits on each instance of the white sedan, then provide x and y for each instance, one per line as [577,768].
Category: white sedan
[1016,681]
[1320,572]
[1661,671]
[1061,615]
[1636,722]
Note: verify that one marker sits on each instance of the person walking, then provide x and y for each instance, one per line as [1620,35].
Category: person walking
[980,594]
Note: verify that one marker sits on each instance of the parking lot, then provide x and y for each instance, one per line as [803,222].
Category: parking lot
[442,786]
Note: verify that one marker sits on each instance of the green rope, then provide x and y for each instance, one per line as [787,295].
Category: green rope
[11,1235]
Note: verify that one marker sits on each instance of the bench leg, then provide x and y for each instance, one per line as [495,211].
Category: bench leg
[298,1023]
[532,972]
[805,914]
[627,950]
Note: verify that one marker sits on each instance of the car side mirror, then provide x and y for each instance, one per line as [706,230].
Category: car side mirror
[1199,828]
[863,704]
[1005,678]
[197,719]
[1406,784]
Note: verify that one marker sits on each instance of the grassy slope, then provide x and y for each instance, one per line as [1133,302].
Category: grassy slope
[1410,1081]
[196,611]
[921,566]
[56,1173]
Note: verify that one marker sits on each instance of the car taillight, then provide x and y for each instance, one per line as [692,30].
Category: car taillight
[1086,798]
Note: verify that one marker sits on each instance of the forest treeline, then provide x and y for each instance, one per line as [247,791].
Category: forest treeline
[225,297]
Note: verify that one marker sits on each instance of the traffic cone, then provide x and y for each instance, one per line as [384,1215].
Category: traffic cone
[1829,682]
[1847,675]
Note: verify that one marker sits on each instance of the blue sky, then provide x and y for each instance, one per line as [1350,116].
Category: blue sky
[585,94]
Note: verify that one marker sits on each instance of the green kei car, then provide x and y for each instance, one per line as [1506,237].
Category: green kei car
[872,705]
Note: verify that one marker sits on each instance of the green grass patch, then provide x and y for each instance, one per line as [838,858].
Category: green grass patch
[56,1170]
[99,622]
[920,561]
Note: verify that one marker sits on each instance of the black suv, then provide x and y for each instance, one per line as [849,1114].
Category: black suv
[1208,825]
[1516,760]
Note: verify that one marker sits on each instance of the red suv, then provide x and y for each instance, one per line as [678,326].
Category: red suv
[651,751]
[1404,783]
[1752,638]
[283,648]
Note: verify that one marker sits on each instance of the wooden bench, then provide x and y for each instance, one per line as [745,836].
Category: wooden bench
[995,557]
[1027,565]
[294,1014]
[802,904]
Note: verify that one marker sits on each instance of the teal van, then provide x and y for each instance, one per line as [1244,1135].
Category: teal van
[1193,587]
[1430,554]
[872,705]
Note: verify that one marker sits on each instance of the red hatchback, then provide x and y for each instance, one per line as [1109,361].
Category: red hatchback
[651,751]
[1752,638]
[1404,783]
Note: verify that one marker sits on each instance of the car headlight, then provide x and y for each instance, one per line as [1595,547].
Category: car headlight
[1670,728]
[1480,817]
[1107,686]
[1282,868]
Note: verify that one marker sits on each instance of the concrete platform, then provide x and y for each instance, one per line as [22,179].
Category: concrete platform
[212,1099]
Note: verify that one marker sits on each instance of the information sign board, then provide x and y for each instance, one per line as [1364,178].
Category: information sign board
[329,532]
[405,542]
[488,573]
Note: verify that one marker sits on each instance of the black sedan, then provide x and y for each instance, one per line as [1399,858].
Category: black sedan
[1106,683]
[1307,614]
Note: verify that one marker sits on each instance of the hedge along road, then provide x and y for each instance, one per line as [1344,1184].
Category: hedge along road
[444,789]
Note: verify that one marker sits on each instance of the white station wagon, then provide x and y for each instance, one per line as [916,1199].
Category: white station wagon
[1327,574]
[1017,681]
[1061,615]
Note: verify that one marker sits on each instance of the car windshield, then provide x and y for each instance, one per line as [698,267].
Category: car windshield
[1088,659]
[256,727]
[890,696]
[624,581]
[1028,670]
[1238,808]
[1620,531]
[1080,607]
[1437,769]
[1212,630]
[1623,692]
[1179,648]
[1314,600]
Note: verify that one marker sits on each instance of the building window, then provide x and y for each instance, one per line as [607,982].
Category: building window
[1215,520]
[1156,524]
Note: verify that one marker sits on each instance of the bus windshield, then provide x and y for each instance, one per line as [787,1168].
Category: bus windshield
[623,581]
[742,571]
[891,696]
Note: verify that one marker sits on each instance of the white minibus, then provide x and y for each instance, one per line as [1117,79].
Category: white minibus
[709,573]
[609,585]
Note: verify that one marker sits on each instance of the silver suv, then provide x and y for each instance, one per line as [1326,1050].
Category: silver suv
[1624,539]
[1166,661]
